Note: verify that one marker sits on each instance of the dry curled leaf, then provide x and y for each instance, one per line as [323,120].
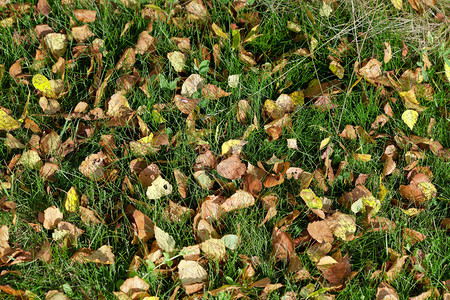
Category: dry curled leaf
[231,168]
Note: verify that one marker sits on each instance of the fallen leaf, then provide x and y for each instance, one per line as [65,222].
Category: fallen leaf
[213,92]
[342,225]
[231,241]
[238,200]
[7,122]
[85,15]
[93,166]
[191,272]
[398,4]
[82,33]
[182,182]
[177,60]
[146,43]
[388,50]
[41,83]
[72,200]
[165,241]
[231,168]
[52,216]
[134,285]
[214,248]
[218,31]
[336,68]
[282,245]
[102,255]
[310,198]
[386,292]
[337,273]
[43,7]
[410,117]
[56,43]
[158,189]
[143,227]
[126,61]
[191,85]
[320,231]
[30,159]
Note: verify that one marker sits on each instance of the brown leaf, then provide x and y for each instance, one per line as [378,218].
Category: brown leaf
[85,15]
[231,168]
[337,273]
[49,106]
[213,92]
[146,43]
[238,200]
[127,60]
[89,216]
[143,227]
[50,143]
[182,182]
[320,231]
[206,161]
[411,236]
[348,133]
[185,105]
[183,44]
[396,268]
[371,70]
[197,10]
[102,255]
[148,175]
[191,85]
[134,285]
[389,167]
[10,291]
[93,166]
[177,213]
[52,216]
[342,225]
[82,33]
[282,244]
[386,292]
[252,184]
[43,7]
[42,30]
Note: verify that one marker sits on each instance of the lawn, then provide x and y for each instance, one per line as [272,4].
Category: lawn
[224,149]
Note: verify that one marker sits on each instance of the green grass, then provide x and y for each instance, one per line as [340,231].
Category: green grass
[365,24]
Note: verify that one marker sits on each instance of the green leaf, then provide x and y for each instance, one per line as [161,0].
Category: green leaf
[236,39]
[203,68]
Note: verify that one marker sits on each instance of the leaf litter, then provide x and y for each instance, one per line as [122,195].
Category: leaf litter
[229,182]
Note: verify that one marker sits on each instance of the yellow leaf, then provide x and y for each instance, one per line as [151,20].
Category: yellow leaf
[298,98]
[337,69]
[412,212]
[373,202]
[324,142]
[7,122]
[383,192]
[146,140]
[410,117]
[230,145]
[447,69]
[41,83]
[398,4]
[72,200]
[217,30]
[311,200]
[362,157]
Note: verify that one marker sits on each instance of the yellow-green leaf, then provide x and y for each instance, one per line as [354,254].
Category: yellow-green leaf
[398,4]
[72,200]
[157,117]
[410,118]
[7,122]
[41,83]
[251,36]
[218,31]
[337,69]
[311,200]
[447,69]
[236,39]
